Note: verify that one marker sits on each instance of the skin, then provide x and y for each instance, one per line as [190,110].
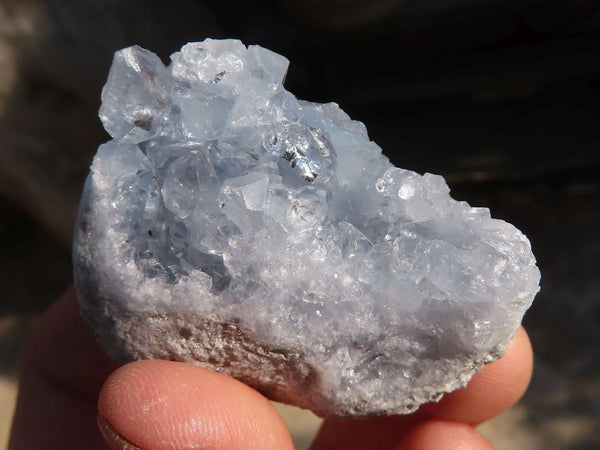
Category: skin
[71,396]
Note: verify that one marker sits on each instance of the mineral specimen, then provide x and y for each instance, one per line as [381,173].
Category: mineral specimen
[232,226]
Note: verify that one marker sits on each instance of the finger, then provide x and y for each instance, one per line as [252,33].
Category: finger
[497,387]
[357,434]
[441,435]
[173,405]
[61,375]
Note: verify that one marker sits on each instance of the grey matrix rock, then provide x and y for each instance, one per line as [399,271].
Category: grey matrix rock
[230,225]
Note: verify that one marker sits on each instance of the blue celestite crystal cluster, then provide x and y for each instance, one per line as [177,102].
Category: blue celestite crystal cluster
[231,225]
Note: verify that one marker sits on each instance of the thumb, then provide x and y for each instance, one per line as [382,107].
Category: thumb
[172,405]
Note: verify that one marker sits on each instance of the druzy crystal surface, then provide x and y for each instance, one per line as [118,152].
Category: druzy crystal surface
[231,225]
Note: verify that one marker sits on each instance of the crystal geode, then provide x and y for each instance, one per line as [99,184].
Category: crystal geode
[230,225]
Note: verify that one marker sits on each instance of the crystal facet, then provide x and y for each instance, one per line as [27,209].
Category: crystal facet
[230,225]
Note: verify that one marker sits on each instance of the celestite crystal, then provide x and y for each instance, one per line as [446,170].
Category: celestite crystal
[230,225]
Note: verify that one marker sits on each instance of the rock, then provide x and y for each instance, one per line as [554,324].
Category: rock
[230,225]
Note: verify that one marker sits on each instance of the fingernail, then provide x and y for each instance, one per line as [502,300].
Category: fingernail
[112,436]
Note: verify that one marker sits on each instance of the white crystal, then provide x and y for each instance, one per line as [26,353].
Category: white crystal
[230,225]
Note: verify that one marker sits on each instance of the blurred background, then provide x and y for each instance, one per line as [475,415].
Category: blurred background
[502,97]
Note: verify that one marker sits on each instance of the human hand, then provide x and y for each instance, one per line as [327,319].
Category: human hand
[67,383]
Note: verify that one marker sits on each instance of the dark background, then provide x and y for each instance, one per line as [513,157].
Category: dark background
[502,97]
